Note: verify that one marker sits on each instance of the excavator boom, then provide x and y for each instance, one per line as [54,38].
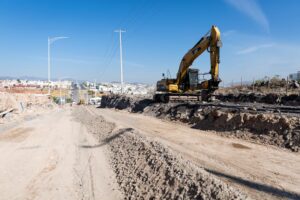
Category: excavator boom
[190,56]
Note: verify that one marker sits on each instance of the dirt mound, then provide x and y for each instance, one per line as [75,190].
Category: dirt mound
[270,98]
[274,129]
[147,170]
[7,102]
[94,124]
[22,105]
[21,101]
[134,104]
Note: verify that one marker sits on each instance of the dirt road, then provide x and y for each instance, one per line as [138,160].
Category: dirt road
[262,172]
[46,158]
[53,156]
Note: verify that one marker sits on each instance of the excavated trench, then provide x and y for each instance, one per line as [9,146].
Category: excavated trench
[145,169]
[282,130]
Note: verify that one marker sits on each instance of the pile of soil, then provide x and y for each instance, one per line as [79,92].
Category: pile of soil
[11,100]
[270,98]
[279,130]
[145,169]
[21,105]
[275,129]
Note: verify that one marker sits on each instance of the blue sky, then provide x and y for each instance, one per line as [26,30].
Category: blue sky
[260,37]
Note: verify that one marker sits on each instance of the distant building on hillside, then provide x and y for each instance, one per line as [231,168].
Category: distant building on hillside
[295,76]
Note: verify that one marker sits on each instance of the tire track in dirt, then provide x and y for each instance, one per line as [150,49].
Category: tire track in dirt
[42,178]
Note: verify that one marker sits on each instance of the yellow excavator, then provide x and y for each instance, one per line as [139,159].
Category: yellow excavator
[187,85]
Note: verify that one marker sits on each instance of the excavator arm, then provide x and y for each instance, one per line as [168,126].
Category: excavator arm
[211,42]
[215,45]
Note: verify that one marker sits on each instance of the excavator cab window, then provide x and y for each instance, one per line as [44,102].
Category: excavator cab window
[193,78]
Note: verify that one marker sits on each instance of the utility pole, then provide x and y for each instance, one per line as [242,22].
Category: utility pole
[253,85]
[95,84]
[241,82]
[50,41]
[49,65]
[121,56]
[287,84]
[60,92]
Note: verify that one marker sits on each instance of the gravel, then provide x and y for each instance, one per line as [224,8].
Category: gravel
[145,169]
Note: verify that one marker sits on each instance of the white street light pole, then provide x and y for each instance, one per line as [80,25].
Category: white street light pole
[121,57]
[60,92]
[50,41]
[49,63]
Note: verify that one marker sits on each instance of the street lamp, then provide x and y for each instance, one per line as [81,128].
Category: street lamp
[50,41]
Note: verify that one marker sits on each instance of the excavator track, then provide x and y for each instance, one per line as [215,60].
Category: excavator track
[185,97]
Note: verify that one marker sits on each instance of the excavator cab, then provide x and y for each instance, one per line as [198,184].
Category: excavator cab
[193,75]
[191,81]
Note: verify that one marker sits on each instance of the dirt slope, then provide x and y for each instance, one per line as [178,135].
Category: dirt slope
[146,169]
[260,123]
[261,171]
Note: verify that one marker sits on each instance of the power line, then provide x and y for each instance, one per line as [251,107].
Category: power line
[139,21]
[110,46]
[109,54]
[132,14]
[135,16]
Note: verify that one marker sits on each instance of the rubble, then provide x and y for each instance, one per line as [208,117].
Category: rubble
[270,98]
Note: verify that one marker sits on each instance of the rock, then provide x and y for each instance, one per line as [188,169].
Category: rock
[216,113]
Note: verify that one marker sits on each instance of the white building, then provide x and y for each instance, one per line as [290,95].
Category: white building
[35,84]
[295,76]
[134,89]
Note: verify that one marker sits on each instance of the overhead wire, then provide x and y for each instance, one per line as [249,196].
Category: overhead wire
[140,21]
[108,54]
[111,49]
[135,16]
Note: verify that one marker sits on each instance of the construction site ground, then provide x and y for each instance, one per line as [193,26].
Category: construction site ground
[83,152]
[42,158]
[262,172]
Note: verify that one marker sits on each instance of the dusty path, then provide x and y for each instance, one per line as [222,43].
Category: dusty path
[263,172]
[48,158]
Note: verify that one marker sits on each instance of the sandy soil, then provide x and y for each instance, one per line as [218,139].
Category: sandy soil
[46,158]
[146,169]
[54,156]
[262,172]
